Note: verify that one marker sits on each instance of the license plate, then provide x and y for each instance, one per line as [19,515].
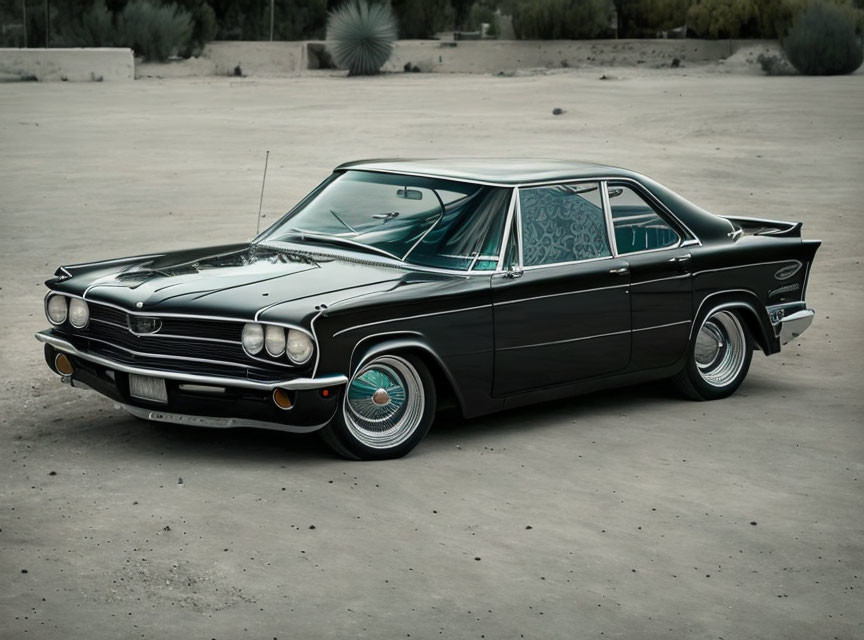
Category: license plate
[147,388]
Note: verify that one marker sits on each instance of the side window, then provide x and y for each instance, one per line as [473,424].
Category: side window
[562,223]
[638,227]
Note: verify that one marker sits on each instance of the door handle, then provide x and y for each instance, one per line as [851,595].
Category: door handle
[682,258]
[620,270]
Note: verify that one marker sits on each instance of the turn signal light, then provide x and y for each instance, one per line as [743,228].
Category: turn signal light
[282,399]
[63,365]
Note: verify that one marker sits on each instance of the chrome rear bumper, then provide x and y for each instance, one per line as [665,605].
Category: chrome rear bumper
[795,324]
[294,384]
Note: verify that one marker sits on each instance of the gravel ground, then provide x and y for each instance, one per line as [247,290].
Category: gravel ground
[619,515]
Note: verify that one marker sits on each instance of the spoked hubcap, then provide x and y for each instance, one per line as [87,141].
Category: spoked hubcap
[384,403]
[720,349]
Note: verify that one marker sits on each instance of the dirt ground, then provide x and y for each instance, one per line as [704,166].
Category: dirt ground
[627,514]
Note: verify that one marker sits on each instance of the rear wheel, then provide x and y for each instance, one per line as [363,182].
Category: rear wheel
[387,409]
[718,358]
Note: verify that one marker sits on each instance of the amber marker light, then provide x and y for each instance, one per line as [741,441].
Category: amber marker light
[325,393]
[63,365]
[281,399]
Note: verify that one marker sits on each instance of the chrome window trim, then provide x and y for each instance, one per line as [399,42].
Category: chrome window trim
[519,240]
[541,183]
[607,214]
[508,225]
[563,264]
[642,193]
[420,315]
[522,267]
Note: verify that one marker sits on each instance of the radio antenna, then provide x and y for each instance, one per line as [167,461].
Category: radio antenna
[261,201]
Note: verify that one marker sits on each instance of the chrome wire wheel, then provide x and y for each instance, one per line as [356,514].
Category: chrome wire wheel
[384,402]
[720,349]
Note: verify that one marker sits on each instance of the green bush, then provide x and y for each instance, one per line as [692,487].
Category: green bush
[360,36]
[155,32]
[423,18]
[823,41]
[93,29]
[479,13]
[562,19]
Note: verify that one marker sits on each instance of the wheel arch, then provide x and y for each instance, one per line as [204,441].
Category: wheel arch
[414,343]
[751,310]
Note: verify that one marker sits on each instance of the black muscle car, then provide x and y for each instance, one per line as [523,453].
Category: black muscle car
[398,285]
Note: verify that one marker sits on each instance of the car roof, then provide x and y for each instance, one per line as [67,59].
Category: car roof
[503,171]
[511,172]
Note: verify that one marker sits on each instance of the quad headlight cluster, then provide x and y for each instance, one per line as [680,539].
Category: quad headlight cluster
[277,341]
[60,308]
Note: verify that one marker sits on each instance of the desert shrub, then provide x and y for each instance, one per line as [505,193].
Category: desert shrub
[423,18]
[775,65]
[723,18]
[154,31]
[360,36]
[479,13]
[94,28]
[250,19]
[204,25]
[562,19]
[823,41]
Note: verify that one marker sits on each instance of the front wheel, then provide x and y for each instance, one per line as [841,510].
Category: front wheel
[387,409]
[718,358]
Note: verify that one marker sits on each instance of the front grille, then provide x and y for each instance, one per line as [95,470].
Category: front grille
[213,341]
[193,328]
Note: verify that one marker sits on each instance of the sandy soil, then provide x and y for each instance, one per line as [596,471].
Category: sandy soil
[620,515]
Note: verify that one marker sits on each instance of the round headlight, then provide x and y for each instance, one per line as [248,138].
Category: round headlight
[274,340]
[253,338]
[57,309]
[298,347]
[79,313]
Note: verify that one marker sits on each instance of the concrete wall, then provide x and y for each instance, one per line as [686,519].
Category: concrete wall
[493,56]
[75,65]
[448,56]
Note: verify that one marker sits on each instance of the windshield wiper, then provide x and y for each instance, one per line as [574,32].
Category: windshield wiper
[325,238]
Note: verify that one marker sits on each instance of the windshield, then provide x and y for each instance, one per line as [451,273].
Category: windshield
[424,221]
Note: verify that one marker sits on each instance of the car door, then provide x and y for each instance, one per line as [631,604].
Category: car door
[561,308]
[661,291]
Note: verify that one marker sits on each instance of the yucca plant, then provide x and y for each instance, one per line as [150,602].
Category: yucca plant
[360,36]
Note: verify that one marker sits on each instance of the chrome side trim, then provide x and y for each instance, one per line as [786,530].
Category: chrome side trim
[562,293]
[678,277]
[568,340]
[662,326]
[420,315]
[211,422]
[296,384]
[742,266]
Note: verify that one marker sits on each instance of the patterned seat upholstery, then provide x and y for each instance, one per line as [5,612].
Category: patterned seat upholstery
[561,226]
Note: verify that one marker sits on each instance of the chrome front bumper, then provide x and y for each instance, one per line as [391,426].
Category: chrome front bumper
[211,422]
[294,384]
[794,325]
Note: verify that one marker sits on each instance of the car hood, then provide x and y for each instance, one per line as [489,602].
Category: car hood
[237,281]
